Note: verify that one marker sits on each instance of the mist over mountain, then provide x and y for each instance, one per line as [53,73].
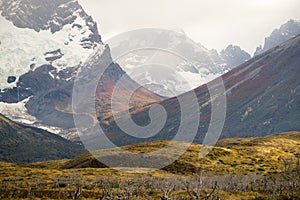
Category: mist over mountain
[206,65]
[164,72]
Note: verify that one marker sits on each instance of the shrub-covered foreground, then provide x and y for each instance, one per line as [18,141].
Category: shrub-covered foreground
[48,183]
[253,168]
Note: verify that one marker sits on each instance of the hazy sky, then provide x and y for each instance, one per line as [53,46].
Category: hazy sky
[213,23]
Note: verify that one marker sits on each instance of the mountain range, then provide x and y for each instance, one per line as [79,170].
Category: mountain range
[263,98]
[177,77]
[45,44]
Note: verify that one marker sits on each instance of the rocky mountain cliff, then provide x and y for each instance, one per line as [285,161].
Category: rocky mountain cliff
[286,31]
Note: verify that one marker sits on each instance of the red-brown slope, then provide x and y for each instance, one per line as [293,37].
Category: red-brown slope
[139,98]
[107,77]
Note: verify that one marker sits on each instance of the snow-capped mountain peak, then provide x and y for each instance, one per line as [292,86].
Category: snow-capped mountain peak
[31,30]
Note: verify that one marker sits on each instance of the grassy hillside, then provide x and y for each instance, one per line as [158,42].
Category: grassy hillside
[244,155]
[19,143]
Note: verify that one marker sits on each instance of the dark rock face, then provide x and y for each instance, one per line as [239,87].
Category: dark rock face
[11,79]
[45,91]
[50,15]
[30,83]
[284,33]
[234,56]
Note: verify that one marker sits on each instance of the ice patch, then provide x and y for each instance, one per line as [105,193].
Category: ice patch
[17,112]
